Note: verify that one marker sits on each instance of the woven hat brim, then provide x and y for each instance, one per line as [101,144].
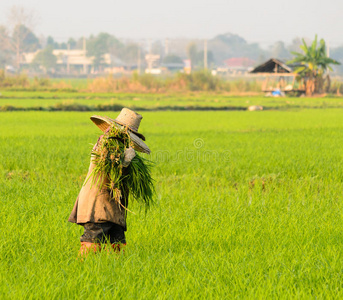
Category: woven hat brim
[138,144]
[104,122]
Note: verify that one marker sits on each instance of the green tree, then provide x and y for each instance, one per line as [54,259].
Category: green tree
[129,54]
[72,43]
[18,36]
[157,48]
[192,54]
[279,50]
[29,41]
[313,63]
[172,59]
[21,40]
[200,59]
[295,45]
[98,45]
[51,42]
[228,45]
[337,54]
[6,56]
[46,59]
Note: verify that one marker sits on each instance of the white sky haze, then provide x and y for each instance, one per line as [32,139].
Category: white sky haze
[263,21]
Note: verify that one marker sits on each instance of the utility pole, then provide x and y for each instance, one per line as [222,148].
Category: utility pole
[205,54]
[84,55]
[68,54]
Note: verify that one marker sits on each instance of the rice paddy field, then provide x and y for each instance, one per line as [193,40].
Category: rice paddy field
[81,101]
[248,205]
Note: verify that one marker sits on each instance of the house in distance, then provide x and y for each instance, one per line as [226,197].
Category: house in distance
[279,77]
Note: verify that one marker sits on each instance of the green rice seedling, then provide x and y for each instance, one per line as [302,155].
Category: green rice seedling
[253,212]
[108,157]
[139,180]
[62,101]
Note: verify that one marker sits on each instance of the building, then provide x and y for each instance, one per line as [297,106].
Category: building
[70,61]
[273,66]
[239,65]
[279,77]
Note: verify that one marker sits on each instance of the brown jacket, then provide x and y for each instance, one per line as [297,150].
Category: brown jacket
[96,206]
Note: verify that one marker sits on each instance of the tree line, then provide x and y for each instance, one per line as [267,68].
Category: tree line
[18,37]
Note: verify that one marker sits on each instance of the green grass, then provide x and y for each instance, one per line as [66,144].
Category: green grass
[249,205]
[153,101]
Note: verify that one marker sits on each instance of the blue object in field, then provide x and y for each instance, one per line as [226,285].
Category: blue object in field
[276,93]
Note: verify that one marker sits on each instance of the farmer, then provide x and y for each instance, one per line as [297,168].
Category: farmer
[103,218]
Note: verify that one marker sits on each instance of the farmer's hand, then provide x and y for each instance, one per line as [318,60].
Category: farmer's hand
[129,154]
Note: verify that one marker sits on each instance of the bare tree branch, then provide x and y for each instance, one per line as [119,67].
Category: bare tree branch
[20,23]
[19,15]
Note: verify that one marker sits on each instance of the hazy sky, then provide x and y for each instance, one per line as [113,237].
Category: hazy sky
[264,21]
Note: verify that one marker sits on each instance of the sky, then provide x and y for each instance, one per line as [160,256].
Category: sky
[262,21]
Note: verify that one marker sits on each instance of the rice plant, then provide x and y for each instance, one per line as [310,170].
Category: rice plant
[248,205]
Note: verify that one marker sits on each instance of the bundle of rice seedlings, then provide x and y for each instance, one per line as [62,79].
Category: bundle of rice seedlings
[139,180]
[108,157]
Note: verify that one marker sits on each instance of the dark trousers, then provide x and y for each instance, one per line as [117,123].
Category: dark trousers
[103,233]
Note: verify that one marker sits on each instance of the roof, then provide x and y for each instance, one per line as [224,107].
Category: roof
[235,62]
[273,65]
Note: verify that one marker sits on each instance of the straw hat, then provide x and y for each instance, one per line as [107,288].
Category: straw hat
[129,118]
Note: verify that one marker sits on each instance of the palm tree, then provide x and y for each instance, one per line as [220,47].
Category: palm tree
[314,62]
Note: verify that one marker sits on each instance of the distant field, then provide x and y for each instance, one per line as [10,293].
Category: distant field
[151,101]
[249,204]
[76,83]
